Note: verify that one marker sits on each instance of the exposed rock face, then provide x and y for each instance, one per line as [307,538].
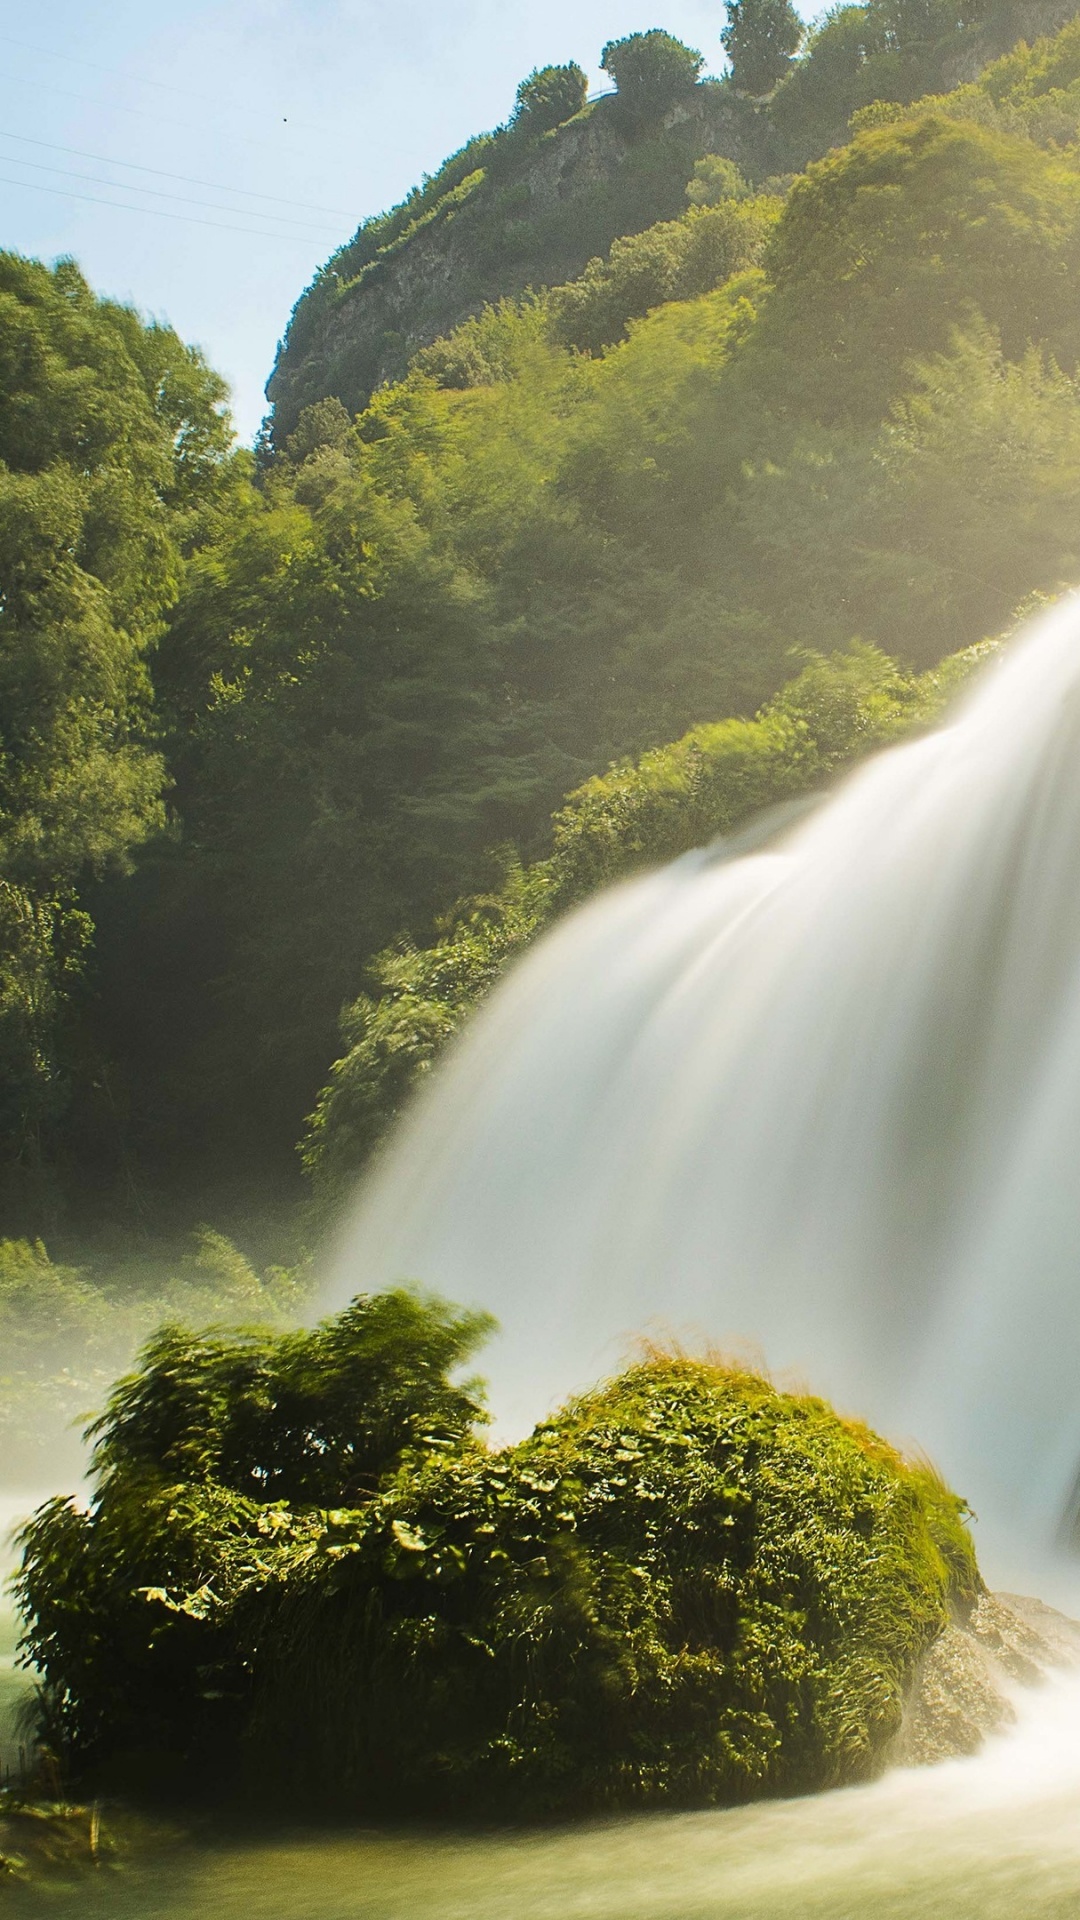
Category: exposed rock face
[964,1687]
[535,219]
[538,224]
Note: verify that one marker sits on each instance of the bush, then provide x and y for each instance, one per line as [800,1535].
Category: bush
[715,180]
[313,1417]
[549,96]
[676,260]
[687,1588]
[651,71]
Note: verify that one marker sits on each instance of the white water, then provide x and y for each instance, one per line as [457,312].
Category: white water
[822,1103]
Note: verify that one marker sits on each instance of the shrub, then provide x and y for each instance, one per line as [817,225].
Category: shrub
[675,260]
[549,96]
[313,1416]
[715,180]
[651,71]
[687,1587]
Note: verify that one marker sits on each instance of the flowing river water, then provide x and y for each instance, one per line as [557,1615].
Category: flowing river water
[996,1837]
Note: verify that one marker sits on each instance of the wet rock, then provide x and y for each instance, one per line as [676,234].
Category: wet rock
[966,1685]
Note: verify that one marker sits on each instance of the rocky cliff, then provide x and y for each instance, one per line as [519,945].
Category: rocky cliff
[508,213]
[531,217]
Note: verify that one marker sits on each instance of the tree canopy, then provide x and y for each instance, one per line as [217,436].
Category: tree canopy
[760,39]
[111,436]
[651,71]
[548,96]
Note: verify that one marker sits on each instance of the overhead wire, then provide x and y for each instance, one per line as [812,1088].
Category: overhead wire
[159,119]
[164,173]
[123,186]
[153,213]
[133,79]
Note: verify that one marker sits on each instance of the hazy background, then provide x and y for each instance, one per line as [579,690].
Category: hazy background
[340,105]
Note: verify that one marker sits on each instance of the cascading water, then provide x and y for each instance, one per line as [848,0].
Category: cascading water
[821,1101]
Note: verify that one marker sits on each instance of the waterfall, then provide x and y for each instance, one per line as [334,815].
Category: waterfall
[820,1104]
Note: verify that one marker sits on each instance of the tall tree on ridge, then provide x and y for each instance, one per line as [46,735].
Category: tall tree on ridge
[761,39]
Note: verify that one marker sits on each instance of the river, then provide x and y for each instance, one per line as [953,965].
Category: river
[996,1837]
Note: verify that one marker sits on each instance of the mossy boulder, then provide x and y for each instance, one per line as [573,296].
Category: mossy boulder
[687,1588]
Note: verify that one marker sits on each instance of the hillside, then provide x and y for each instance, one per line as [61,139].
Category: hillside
[515,209]
[532,216]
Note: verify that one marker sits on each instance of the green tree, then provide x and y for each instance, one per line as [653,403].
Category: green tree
[888,245]
[760,39]
[111,435]
[911,22]
[316,1417]
[548,96]
[714,180]
[676,260]
[652,71]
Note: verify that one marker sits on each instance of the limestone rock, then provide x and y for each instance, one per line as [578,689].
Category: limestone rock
[965,1685]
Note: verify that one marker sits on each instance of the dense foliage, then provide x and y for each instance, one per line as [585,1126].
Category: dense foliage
[760,39]
[548,97]
[685,1587]
[587,523]
[66,1332]
[110,435]
[675,260]
[651,71]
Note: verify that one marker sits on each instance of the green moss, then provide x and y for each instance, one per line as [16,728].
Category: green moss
[686,1588]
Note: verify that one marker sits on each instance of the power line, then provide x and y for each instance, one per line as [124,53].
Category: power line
[159,119]
[122,186]
[118,73]
[152,213]
[163,173]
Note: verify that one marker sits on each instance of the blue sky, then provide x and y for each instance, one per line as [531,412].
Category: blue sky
[289,120]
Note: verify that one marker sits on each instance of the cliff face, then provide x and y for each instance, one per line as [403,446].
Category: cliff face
[533,213]
[530,219]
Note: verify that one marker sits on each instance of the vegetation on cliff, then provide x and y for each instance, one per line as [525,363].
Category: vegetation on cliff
[513,210]
[302,1576]
[526,205]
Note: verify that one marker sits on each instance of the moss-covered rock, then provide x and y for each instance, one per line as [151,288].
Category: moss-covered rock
[687,1588]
